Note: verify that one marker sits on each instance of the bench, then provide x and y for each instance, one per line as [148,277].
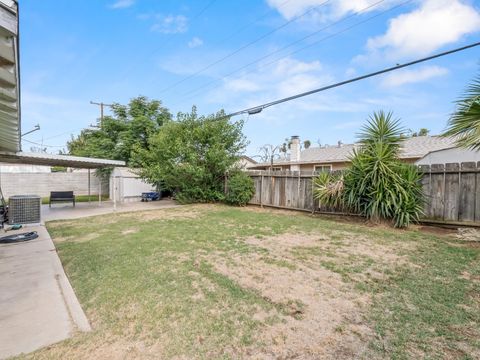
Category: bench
[61,196]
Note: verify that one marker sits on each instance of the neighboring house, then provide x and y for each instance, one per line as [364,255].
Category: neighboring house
[336,157]
[246,162]
[449,155]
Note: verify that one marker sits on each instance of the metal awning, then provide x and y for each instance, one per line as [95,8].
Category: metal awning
[57,160]
[9,77]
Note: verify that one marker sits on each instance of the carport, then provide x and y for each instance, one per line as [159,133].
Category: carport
[77,162]
[39,306]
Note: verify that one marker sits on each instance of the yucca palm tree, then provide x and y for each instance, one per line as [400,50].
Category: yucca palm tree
[377,185]
[464,124]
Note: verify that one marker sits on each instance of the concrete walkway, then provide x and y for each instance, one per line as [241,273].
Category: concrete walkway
[38,306]
[85,209]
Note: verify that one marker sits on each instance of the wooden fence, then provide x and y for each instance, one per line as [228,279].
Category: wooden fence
[452,191]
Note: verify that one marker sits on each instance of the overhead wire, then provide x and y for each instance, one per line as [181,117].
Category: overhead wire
[43,145]
[257,109]
[243,28]
[258,60]
[194,18]
[243,47]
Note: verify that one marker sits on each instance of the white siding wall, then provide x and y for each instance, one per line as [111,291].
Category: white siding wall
[453,155]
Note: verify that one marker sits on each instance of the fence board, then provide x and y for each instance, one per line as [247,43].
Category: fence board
[466,210]
[452,191]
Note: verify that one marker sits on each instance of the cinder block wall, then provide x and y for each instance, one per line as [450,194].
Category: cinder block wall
[42,183]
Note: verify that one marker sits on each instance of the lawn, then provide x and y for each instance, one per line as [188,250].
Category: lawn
[216,282]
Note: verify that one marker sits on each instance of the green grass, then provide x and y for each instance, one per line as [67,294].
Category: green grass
[79,198]
[147,285]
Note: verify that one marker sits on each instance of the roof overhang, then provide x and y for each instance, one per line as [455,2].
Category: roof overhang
[57,160]
[9,77]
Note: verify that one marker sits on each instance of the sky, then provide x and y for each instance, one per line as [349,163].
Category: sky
[232,55]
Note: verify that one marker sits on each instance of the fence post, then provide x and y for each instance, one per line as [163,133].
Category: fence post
[261,191]
[313,196]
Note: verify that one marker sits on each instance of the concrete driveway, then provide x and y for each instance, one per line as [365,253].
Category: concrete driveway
[38,307]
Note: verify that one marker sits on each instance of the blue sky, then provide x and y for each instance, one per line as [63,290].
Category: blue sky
[76,51]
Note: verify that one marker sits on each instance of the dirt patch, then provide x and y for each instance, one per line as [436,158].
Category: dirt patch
[78,239]
[468,234]
[129,231]
[435,230]
[285,242]
[312,305]
[169,214]
[338,244]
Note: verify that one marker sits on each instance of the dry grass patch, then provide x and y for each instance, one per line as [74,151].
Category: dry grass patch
[319,315]
[215,282]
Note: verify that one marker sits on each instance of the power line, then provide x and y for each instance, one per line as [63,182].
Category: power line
[43,145]
[243,47]
[259,108]
[195,17]
[243,28]
[300,40]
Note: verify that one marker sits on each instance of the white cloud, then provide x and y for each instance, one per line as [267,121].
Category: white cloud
[195,42]
[434,24]
[404,76]
[170,24]
[323,10]
[242,85]
[122,4]
[289,76]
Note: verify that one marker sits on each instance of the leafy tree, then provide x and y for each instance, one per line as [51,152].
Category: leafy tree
[130,127]
[420,132]
[464,124]
[192,154]
[269,153]
[307,144]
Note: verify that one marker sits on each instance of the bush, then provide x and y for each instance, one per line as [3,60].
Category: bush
[240,189]
[328,189]
[191,156]
[377,185]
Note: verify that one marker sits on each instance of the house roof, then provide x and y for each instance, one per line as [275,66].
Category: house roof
[412,148]
[248,158]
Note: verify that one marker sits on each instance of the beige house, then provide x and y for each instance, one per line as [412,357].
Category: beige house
[336,157]
[246,162]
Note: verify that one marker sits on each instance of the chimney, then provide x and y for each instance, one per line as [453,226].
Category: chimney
[295,148]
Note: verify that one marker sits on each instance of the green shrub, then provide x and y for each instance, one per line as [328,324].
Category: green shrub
[240,189]
[328,189]
[191,156]
[377,185]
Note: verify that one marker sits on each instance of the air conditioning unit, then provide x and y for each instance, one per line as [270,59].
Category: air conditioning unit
[24,209]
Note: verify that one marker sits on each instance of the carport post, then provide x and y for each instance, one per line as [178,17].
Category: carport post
[99,191]
[88,185]
[114,193]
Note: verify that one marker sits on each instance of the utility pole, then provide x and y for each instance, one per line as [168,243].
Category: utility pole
[101,104]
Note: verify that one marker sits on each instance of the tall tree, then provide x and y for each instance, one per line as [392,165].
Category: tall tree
[129,128]
[464,124]
[192,154]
